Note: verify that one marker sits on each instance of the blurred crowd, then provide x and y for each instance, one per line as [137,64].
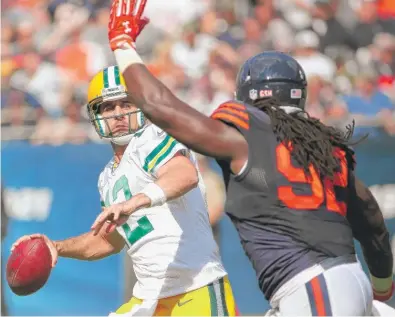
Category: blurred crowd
[51,48]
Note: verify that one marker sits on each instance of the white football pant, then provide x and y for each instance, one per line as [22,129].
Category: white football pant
[335,287]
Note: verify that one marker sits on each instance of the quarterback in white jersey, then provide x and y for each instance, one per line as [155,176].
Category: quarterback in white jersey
[153,202]
[171,244]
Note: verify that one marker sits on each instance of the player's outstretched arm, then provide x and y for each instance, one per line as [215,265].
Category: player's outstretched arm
[174,179]
[177,177]
[90,247]
[367,223]
[198,132]
[84,247]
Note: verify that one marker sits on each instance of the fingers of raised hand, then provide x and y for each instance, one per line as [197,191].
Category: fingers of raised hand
[101,219]
[134,8]
[118,7]
[139,8]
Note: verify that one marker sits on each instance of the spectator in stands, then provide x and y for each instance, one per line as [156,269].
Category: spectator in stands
[368,24]
[384,62]
[323,103]
[332,32]
[218,84]
[18,107]
[307,54]
[272,25]
[230,31]
[81,59]
[65,129]
[369,106]
[314,103]
[7,34]
[43,80]
[193,50]
[163,66]
[200,52]
[386,13]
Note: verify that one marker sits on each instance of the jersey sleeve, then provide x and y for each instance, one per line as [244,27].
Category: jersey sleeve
[158,150]
[234,114]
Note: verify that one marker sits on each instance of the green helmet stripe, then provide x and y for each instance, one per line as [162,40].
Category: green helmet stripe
[113,79]
[105,78]
[117,77]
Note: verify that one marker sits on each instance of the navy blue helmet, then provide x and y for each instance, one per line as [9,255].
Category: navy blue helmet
[272,74]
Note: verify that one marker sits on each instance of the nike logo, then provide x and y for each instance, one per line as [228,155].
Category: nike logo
[183,303]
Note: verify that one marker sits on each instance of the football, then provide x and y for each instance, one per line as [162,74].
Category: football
[29,266]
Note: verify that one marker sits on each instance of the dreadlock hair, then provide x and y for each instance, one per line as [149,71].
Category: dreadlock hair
[308,139]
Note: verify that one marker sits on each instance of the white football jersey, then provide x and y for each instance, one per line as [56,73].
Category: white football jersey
[172,246]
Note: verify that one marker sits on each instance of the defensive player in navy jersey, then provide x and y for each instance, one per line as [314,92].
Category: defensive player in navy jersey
[291,189]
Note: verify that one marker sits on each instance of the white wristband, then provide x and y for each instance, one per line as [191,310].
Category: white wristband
[155,193]
[127,57]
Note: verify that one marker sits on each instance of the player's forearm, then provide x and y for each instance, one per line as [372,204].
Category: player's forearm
[169,186]
[84,247]
[378,255]
[177,182]
[370,230]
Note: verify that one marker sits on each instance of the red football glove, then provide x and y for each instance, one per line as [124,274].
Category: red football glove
[126,23]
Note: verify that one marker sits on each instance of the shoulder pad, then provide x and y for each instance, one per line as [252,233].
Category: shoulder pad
[234,113]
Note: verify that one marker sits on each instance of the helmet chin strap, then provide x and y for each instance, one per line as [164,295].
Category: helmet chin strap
[122,140]
[125,139]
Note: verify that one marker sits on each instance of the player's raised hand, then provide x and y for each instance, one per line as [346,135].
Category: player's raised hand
[50,244]
[126,23]
[116,215]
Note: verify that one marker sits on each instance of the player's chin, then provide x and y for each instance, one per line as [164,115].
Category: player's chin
[120,132]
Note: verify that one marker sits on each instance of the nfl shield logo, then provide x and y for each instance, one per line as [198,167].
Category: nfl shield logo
[253,94]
